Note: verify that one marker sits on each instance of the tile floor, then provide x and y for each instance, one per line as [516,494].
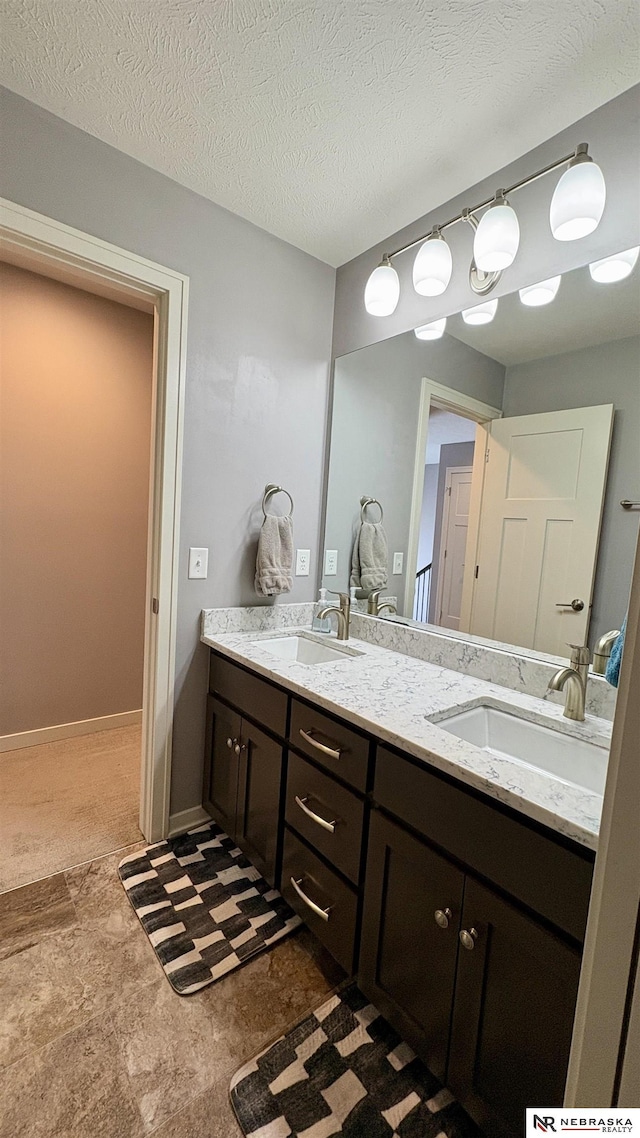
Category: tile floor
[93,1041]
[63,803]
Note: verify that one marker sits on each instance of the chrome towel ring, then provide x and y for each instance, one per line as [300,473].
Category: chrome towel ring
[364,502]
[269,491]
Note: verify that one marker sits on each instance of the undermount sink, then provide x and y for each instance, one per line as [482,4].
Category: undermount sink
[577,762]
[304,649]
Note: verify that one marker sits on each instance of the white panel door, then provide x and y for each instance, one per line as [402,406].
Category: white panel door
[453,544]
[539,527]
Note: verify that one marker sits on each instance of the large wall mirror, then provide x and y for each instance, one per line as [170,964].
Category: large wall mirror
[476,479]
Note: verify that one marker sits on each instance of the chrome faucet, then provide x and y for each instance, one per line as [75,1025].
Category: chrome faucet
[342,611]
[374,607]
[602,651]
[574,680]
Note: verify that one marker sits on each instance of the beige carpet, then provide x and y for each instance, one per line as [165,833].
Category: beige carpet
[66,802]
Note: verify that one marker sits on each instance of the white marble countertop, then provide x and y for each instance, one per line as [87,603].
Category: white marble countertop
[389,695]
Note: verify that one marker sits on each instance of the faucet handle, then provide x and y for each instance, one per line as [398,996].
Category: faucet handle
[580,654]
[345,599]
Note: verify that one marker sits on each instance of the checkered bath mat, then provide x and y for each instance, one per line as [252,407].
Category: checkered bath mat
[203,905]
[344,1071]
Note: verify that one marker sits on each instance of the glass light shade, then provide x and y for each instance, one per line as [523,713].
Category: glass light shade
[480,313]
[542,293]
[432,267]
[578,202]
[616,267]
[382,291]
[432,331]
[496,239]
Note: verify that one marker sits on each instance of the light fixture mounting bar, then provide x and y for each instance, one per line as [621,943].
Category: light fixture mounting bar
[464,215]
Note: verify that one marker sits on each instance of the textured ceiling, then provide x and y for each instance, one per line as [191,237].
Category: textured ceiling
[331,123]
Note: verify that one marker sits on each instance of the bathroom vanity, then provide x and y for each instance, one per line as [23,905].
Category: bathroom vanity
[453,884]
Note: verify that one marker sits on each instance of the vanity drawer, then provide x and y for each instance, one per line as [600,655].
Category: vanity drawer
[542,873]
[331,743]
[255,697]
[322,892]
[310,792]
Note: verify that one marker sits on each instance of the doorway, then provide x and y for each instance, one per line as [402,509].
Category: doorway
[42,245]
[76,388]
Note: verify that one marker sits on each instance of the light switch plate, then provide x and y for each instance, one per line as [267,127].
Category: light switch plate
[198,563]
[330,562]
[303,561]
[398,561]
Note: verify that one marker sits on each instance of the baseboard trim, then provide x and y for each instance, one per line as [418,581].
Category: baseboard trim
[68,730]
[186,820]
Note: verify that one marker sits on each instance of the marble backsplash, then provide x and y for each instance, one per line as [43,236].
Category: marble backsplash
[256,618]
[497,665]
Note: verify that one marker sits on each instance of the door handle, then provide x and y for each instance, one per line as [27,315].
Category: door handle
[576,604]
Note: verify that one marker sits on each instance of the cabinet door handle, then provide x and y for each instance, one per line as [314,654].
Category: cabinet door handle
[468,938]
[324,914]
[442,918]
[302,803]
[239,748]
[333,752]
[231,743]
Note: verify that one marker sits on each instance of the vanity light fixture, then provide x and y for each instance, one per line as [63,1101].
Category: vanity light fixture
[481,313]
[497,237]
[576,208]
[432,266]
[544,292]
[383,290]
[432,331]
[616,267]
[578,199]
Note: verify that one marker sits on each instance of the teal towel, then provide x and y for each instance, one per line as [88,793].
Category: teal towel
[612,674]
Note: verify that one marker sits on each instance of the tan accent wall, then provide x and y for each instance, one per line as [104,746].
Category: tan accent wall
[75,421]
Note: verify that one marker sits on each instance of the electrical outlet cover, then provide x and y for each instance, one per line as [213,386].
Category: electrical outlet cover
[330,562]
[303,562]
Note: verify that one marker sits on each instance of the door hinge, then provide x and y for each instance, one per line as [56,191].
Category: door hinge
[477,570]
[445,553]
[449,491]
[155,606]
[486,456]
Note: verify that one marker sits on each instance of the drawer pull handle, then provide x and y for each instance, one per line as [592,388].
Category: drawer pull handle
[324,914]
[302,803]
[442,918]
[468,938]
[333,752]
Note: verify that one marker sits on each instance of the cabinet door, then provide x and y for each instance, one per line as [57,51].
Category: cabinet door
[221,764]
[513,1015]
[407,959]
[258,807]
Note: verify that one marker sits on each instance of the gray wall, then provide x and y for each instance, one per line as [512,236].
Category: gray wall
[259,337]
[613,134]
[606,373]
[451,454]
[376,404]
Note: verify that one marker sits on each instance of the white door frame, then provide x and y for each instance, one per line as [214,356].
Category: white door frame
[444,526]
[45,245]
[437,395]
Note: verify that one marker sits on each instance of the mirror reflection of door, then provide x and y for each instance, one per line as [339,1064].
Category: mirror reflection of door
[453,544]
[540,517]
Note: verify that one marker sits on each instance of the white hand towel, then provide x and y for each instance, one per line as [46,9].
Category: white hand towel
[274,561]
[370,557]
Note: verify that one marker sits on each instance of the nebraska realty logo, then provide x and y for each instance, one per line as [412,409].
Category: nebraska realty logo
[561,1120]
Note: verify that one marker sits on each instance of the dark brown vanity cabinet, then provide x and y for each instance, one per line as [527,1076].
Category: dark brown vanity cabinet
[242,781]
[484,988]
[462,920]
